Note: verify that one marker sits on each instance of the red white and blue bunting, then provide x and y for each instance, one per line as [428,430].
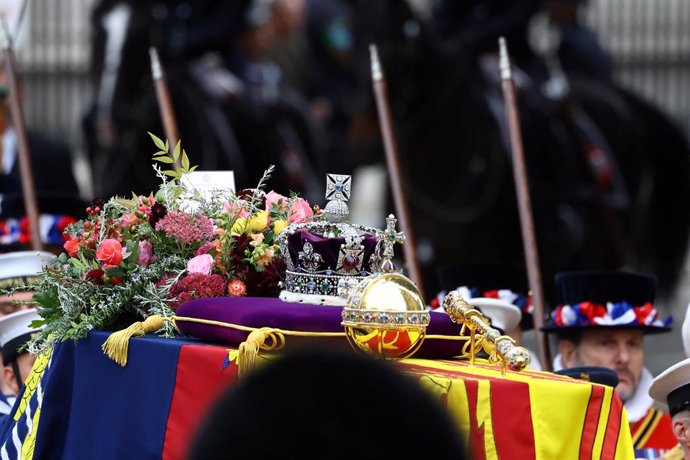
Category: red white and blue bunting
[16,231]
[609,314]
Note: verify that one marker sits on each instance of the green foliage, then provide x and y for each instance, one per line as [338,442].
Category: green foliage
[178,158]
[70,307]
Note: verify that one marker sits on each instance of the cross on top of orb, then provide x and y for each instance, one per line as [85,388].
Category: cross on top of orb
[338,187]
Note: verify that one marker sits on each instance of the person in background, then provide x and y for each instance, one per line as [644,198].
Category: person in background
[601,321]
[672,387]
[15,332]
[17,269]
[51,161]
[56,189]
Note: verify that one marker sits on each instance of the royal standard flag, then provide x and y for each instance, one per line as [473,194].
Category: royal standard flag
[78,404]
[528,415]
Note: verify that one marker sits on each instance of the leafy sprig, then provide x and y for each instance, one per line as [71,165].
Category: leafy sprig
[178,158]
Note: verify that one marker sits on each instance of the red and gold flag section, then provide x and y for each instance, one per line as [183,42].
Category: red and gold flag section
[527,415]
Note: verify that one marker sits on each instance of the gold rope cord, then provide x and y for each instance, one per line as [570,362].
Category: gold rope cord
[272,339]
[116,347]
[238,327]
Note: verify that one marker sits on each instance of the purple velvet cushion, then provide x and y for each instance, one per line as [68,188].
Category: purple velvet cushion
[328,248]
[271,312]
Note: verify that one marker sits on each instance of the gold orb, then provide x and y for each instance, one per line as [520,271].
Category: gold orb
[385,316]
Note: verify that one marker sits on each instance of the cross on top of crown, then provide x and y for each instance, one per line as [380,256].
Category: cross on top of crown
[338,187]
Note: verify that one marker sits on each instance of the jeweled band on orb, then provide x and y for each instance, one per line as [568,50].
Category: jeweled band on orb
[357,317]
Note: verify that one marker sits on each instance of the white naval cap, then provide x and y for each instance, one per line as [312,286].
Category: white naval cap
[502,314]
[672,387]
[15,331]
[17,268]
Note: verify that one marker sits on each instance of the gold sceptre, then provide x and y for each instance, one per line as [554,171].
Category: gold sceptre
[500,348]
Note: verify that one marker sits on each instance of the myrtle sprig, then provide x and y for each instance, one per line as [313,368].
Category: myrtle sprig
[178,158]
[260,187]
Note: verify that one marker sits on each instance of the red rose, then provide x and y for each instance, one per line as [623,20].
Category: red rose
[109,252]
[95,276]
[72,246]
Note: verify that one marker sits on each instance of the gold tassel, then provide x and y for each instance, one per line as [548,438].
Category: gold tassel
[117,345]
[256,341]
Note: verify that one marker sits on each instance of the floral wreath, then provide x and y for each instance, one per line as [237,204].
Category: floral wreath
[131,258]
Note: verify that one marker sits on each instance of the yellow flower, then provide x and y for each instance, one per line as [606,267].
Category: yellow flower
[279,225]
[239,226]
[259,221]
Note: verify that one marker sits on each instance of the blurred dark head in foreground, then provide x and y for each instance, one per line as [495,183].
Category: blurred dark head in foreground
[328,406]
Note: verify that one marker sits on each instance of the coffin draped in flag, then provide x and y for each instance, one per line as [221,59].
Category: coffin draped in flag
[80,405]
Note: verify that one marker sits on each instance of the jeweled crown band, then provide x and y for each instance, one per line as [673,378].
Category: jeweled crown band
[320,284]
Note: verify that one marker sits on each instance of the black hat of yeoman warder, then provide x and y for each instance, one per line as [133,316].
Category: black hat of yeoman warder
[601,288]
[672,387]
[483,276]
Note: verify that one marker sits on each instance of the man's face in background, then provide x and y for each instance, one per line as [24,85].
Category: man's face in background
[619,349]
[8,302]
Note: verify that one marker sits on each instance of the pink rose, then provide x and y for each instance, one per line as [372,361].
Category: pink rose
[145,252]
[300,211]
[109,252]
[273,198]
[202,264]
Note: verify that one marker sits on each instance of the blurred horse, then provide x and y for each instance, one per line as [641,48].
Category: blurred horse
[232,113]
[606,169]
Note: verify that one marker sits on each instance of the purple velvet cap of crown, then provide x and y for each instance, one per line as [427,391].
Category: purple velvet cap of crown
[260,312]
[328,248]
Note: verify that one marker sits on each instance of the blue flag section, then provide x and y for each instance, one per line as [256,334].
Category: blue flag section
[84,406]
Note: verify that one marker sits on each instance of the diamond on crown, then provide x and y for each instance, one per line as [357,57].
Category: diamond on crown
[308,259]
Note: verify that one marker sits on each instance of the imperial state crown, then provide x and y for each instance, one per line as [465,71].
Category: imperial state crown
[326,259]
